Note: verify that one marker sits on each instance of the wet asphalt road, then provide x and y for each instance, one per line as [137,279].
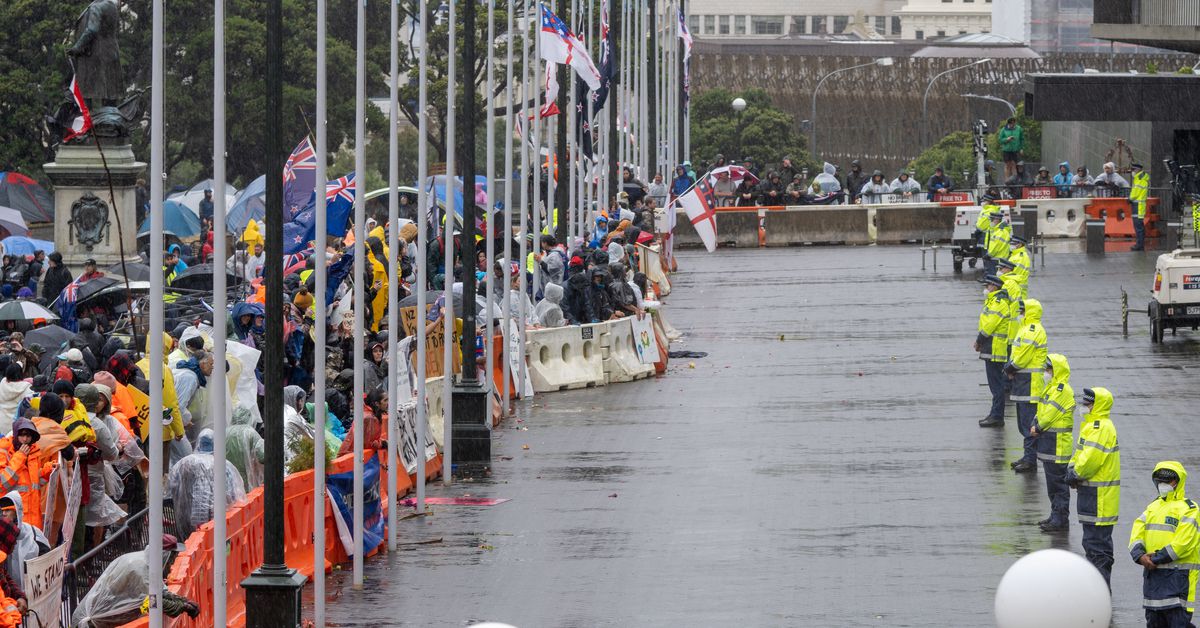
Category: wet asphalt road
[821,467]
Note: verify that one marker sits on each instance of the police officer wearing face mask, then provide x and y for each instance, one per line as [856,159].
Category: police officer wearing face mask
[992,345]
[1164,541]
[1052,429]
[1095,471]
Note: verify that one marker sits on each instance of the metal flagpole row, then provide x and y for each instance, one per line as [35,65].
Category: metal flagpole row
[321,304]
[529,170]
[451,216]
[217,395]
[571,163]
[539,94]
[360,306]
[157,306]
[508,206]
[423,232]
[395,443]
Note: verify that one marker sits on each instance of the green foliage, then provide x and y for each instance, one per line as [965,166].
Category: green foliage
[954,151]
[1151,67]
[304,460]
[34,73]
[762,132]
[1187,69]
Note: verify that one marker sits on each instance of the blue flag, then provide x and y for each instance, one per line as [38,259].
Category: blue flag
[339,204]
[584,124]
[341,490]
[299,178]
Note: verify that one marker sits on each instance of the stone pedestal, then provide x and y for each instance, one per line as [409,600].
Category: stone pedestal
[85,212]
[471,436]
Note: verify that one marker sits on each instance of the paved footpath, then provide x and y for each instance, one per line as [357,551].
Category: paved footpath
[821,467]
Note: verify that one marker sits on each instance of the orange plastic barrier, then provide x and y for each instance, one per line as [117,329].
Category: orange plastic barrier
[498,369]
[191,573]
[1117,214]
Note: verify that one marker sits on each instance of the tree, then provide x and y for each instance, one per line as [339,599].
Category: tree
[762,132]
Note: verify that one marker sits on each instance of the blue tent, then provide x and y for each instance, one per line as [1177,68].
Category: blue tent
[21,245]
[178,219]
[250,204]
[439,188]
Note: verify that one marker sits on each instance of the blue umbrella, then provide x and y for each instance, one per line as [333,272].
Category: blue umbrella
[21,245]
[177,220]
[250,203]
[439,190]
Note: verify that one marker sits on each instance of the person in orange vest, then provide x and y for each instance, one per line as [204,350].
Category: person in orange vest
[12,593]
[23,469]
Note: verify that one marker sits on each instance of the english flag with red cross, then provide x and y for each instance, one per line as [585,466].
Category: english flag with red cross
[700,203]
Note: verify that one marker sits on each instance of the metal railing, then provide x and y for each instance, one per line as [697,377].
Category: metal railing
[1168,13]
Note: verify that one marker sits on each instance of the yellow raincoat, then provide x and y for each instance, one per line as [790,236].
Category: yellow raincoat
[170,401]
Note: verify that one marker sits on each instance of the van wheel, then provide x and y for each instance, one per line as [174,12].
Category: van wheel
[971,262]
[958,265]
[1156,330]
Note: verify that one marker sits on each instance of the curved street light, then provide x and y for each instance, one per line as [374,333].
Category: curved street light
[925,98]
[812,141]
[1012,109]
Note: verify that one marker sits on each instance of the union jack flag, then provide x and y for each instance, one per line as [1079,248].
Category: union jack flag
[299,178]
[303,158]
[342,188]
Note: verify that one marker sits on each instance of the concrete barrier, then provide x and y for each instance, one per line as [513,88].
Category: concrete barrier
[661,318]
[738,229]
[912,222]
[1059,217]
[621,363]
[565,358]
[817,224]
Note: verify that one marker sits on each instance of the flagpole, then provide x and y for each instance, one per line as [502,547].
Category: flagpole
[490,213]
[422,278]
[360,306]
[154,553]
[687,115]
[217,393]
[570,136]
[508,206]
[537,147]
[644,89]
[321,305]
[448,246]
[395,443]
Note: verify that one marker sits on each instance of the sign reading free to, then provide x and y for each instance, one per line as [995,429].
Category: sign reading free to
[1191,282]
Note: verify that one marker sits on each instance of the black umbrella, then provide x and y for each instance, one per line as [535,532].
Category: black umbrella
[89,288]
[136,271]
[52,338]
[200,277]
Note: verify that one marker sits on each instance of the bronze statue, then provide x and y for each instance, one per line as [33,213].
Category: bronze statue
[97,56]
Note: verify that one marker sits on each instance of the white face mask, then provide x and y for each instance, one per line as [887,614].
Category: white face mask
[1047,375]
[986,292]
[1164,488]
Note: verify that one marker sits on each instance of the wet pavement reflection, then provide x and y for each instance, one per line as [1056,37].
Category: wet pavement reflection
[821,467]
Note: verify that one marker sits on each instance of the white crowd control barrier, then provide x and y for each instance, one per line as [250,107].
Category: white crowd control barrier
[651,265]
[564,358]
[1061,217]
[621,362]
[668,329]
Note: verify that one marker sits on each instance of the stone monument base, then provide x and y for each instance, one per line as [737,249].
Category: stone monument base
[93,194]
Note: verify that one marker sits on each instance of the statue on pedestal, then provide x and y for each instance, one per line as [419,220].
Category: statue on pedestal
[96,61]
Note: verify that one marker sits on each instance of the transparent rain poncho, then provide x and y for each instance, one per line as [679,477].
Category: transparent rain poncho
[117,596]
[245,448]
[191,486]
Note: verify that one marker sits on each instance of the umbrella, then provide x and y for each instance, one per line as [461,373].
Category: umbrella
[177,219]
[736,173]
[200,277]
[191,198]
[11,222]
[26,196]
[90,287]
[250,204]
[135,271]
[22,245]
[52,338]
[22,310]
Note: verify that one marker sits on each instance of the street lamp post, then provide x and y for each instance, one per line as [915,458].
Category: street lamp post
[739,105]
[812,140]
[925,98]
[1012,109]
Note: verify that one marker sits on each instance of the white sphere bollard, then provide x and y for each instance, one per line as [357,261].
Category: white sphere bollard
[1052,588]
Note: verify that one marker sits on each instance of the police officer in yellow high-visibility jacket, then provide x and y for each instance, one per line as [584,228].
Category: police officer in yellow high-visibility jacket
[1024,368]
[1164,541]
[1095,471]
[1138,194]
[996,233]
[1055,421]
[1022,264]
[992,345]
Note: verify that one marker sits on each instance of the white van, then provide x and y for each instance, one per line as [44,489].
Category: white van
[1176,293]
